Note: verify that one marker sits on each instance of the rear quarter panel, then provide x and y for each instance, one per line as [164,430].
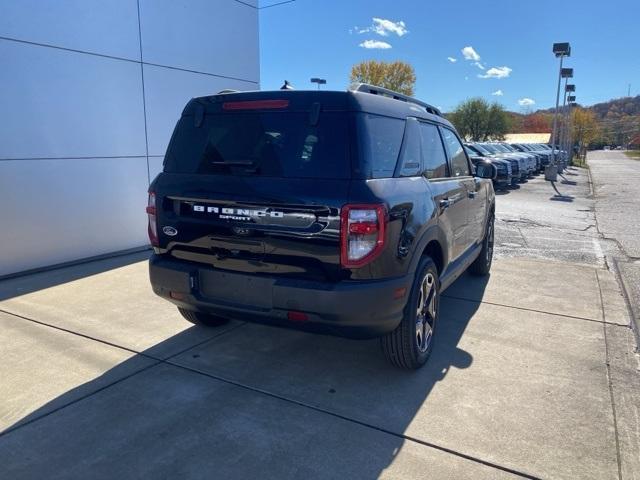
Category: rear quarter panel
[413,220]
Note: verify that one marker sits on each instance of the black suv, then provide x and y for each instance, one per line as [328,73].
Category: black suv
[345,213]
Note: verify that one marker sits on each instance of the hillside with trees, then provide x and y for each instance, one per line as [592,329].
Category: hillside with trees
[616,121]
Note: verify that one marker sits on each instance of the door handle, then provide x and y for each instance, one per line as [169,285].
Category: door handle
[444,203]
[472,194]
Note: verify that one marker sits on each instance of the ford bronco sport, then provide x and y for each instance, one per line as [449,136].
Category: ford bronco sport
[345,213]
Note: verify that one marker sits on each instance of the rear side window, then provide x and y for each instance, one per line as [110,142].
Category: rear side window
[270,144]
[434,158]
[459,163]
[410,161]
[380,139]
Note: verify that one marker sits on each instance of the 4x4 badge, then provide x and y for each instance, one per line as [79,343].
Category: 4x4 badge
[172,232]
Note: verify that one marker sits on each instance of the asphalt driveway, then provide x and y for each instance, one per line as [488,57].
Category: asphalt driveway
[533,375]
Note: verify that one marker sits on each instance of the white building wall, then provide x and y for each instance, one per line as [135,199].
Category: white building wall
[89,93]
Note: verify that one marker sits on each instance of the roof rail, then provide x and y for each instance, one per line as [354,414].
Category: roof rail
[385,92]
[227,90]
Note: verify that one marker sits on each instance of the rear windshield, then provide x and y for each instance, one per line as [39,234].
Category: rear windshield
[270,144]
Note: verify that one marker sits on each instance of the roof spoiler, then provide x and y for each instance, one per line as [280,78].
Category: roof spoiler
[385,92]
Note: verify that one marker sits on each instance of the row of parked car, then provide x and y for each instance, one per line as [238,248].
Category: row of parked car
[514,162]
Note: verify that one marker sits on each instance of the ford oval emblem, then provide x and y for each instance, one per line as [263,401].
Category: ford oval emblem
[172,232]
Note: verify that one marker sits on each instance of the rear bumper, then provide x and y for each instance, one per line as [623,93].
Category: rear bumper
[354,309]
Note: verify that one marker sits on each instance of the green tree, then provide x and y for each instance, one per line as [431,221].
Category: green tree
[397,76]
[478,121]
[498,123]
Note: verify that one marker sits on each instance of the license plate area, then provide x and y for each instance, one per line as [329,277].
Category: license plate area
[231,288]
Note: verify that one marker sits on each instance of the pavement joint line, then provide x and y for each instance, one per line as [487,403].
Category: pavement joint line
[168,361]
[156,361]
[609,382]
[72,402]
[66,330]
[355,421]
[614,324]
[213,337]
[122,347]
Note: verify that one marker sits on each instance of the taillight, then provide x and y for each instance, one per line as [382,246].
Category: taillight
[362,230]
[153,227]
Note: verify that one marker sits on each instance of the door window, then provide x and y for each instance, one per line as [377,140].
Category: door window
[433,156]
[459,162]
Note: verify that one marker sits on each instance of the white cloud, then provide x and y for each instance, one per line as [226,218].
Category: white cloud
[479,65]
[452,60]
[497,72]
[384,27]
[526,102]
[470,54]
[498,93]
[375,44]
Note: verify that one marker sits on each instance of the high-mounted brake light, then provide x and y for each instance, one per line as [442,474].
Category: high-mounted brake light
[152,229]
[255,105]
[362,234]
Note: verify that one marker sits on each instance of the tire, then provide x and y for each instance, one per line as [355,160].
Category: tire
[482,264]
[410,344]
[200,318]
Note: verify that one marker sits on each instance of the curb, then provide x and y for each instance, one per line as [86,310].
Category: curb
[634,312]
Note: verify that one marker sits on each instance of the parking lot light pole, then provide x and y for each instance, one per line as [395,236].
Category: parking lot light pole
[572,103]
[565,112]
[319,81]
[567,73]
[560,50]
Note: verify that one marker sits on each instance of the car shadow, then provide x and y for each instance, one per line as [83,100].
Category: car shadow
[254,400]
[29,282]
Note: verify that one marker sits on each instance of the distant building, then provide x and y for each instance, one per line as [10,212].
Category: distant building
[528,137]
[90,94]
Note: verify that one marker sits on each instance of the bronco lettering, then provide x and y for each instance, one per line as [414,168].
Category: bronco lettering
[238,213]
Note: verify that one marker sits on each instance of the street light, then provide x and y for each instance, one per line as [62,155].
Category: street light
[560,50]
[319,81]
[566,73]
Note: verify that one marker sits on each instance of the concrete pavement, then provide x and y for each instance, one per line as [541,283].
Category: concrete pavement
[533,375]
[550,221]
[616,180]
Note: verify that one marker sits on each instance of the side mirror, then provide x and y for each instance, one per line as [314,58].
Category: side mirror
[486,170]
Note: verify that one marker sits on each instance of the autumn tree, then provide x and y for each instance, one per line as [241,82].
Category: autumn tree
[397,76]
[537,123]
[477,120]
[585,128]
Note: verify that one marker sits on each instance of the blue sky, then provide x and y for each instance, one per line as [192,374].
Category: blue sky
[324,38]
